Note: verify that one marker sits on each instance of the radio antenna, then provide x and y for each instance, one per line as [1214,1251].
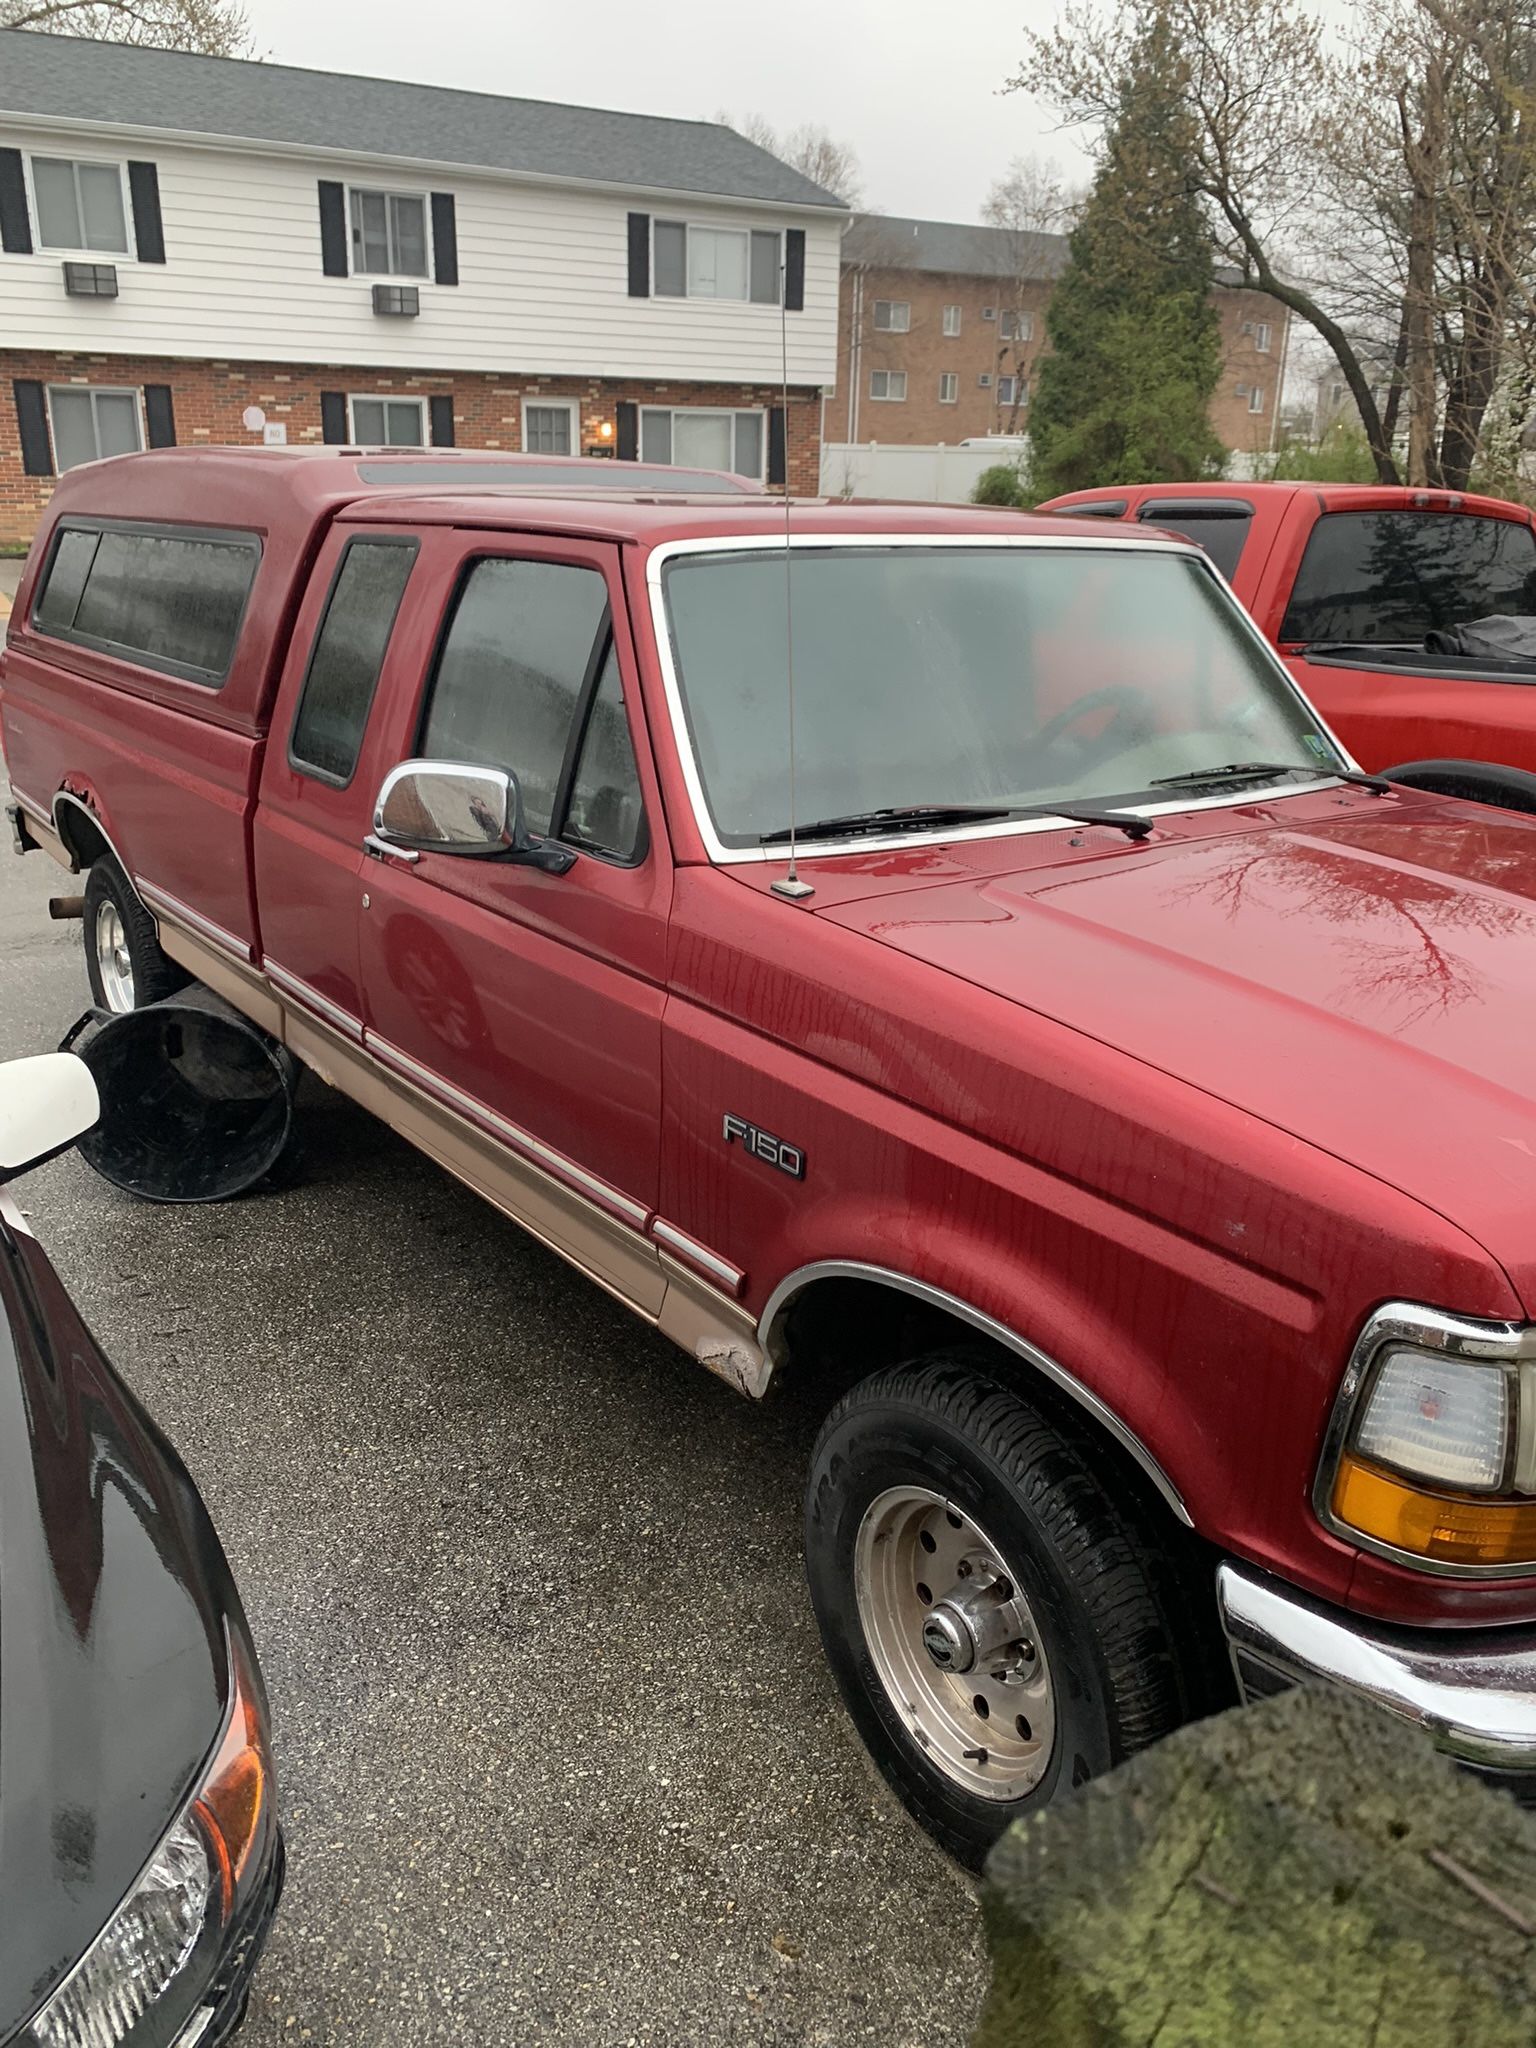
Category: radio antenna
[789,885]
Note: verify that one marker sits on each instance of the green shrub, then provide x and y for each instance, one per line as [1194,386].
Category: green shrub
[1002,484]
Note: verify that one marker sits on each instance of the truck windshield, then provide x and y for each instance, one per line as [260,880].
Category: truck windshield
[1392,577]
[995,676]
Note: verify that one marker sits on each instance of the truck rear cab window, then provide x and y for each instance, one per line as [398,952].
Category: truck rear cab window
[1391,577]
[1219,525]
[165,600]
[527,681]
[347,656]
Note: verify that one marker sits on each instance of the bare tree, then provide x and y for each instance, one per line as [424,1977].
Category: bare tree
[1380,190]
[212,28]
[1032,197]
[812,151]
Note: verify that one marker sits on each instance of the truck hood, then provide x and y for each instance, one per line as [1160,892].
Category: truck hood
[1367,985]
[113,1665]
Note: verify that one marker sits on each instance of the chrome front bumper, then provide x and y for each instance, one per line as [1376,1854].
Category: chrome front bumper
[1474,1690]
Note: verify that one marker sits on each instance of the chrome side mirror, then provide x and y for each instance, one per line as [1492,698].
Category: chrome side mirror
[456,807]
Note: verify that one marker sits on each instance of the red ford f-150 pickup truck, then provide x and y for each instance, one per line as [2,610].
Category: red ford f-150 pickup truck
[1350,581]
[1121,1109]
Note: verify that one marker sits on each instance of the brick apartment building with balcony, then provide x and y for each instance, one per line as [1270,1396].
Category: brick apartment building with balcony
[941,327]
[198,249]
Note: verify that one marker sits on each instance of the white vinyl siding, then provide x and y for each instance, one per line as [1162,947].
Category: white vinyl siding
[79,205]
[88,422]
[543,271]
[388,422]
[699,437]
[549,426]
[389,233]
[890,384]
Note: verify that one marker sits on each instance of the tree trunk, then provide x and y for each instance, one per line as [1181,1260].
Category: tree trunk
[1424,158]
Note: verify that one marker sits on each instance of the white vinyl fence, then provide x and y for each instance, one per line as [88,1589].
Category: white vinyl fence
[937,475]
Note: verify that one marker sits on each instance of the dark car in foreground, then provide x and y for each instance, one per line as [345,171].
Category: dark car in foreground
[140,1856]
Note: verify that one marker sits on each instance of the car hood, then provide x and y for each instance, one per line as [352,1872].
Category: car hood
[1367,985]
[113,1666]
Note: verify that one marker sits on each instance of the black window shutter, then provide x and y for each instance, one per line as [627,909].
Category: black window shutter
[627,428]
[776,444]
[333,228]
[15,225]
[148,229]
[794,270]
[639,255]
[445,239]
[159,415]
[441,410]
[32,418]
[333,417]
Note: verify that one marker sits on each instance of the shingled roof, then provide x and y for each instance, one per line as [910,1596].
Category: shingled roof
[72,78]
[887,241]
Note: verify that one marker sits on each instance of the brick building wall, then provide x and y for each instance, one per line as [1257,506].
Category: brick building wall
[1249,321]
[927,354]
[210,398]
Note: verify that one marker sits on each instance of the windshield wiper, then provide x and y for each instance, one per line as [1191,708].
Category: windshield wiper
[1257,771]
[895,816]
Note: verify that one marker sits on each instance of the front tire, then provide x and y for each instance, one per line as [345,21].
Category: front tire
[995,1620]
[123,959]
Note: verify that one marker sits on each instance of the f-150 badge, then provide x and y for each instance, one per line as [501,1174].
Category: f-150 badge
[763,1145]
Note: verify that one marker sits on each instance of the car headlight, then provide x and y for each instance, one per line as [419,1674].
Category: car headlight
[140,1982]
[1431,1455]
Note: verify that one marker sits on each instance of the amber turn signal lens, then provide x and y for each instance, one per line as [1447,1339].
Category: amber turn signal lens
[236,1787]
[1447,1531]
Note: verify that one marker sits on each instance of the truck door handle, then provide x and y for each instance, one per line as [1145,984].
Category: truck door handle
[381,849]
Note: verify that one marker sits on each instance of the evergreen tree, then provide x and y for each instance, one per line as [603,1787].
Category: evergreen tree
[1123,395]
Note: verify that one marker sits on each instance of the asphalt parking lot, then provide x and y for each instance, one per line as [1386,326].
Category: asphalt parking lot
[560,1761]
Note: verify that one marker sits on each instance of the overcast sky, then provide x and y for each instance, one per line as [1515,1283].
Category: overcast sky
[911,84]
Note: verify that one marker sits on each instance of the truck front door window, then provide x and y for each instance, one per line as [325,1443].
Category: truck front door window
[992,676]
[1388,578]
[521,649]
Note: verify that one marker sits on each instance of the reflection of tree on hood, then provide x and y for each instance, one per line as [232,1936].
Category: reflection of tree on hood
[1419,966]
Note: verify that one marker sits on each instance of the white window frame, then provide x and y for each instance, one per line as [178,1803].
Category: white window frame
[1262,337]
[686,297]
[952,317]
[133,391]
[892,326]
[1007,389]
[569,406]
[1256,398]
[110,163]
[355,268]
[725,412]
[949,387]
[388,398]
[1017,323]
[887,396]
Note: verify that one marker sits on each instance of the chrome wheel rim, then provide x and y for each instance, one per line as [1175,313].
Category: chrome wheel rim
[114,963]
[954,1643]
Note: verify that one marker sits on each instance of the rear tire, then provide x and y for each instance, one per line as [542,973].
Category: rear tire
[124,962]
[937,1471]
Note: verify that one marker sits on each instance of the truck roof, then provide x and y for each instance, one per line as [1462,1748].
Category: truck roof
[1330,497]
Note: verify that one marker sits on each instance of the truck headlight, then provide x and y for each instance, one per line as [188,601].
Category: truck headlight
[1431,1455]
[141,1979]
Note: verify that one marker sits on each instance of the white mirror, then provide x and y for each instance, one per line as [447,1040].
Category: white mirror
[45,1104]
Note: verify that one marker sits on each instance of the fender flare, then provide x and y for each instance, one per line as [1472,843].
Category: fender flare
[770,1337]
